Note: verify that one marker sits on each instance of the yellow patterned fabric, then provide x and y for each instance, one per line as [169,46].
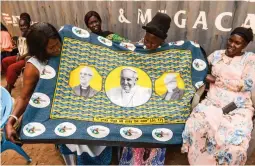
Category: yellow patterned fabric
[76,53]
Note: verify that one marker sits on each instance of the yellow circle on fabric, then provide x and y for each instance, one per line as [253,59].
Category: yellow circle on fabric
[113,78]
[160,86]
[95,82]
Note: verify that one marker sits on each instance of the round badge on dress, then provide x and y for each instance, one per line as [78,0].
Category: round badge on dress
[199,64]
[162,134]
[130,133]
[65,129]
[105,41]
[39,100]
[199,84]
[48,73]
[80,32]
[129,46]
[98,131]
[195,44]
[33,129]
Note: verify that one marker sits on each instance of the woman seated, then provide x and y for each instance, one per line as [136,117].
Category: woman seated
[156,33]
[219,128]
[93,21]
[43,42]
[13,65]
[7,45]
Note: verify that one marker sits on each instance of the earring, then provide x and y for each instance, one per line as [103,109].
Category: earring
[243,51]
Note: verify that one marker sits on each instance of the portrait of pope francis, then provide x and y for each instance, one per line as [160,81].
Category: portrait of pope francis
[129,94]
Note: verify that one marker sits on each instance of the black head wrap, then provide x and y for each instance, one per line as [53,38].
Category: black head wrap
[245,33]
[159,25]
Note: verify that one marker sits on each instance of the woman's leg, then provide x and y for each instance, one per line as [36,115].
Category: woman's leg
[143,156]
[199,135]
[156,156]
[5,54]
[132,156]
[13,71]
[6,62]
[212,138]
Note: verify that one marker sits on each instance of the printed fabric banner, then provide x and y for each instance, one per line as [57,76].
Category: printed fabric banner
[99,89]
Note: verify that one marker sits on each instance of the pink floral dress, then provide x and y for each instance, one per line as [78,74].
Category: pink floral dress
[210,137]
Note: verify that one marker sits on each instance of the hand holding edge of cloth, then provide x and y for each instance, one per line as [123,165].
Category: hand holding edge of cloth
[210,78]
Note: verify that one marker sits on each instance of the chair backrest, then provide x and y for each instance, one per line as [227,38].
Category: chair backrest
[22,46]
[6,106]
[197,97]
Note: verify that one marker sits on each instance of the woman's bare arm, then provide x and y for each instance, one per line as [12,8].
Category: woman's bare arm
[31,77]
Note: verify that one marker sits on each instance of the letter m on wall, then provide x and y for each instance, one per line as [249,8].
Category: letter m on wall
[144,17]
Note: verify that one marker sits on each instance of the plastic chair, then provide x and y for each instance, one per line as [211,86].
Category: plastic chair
[6,109]
[69,159]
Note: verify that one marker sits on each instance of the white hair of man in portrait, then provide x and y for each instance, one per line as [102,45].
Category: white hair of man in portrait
[84,89]
[129,94]
[173,92]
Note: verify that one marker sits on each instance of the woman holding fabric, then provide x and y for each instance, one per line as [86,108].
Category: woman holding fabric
[43,43]
[93,21]
[219,128]
[156,33]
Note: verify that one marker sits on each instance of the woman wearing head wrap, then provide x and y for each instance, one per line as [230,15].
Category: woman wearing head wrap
[13,65]
[218,130]
[156,33]
[93,21]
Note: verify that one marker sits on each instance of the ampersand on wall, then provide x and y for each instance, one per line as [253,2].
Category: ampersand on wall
[122,18]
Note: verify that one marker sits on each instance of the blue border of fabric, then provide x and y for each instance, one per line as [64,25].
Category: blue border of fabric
[47,86]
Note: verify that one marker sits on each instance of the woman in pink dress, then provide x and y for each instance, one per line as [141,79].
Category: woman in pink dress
[211,135]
